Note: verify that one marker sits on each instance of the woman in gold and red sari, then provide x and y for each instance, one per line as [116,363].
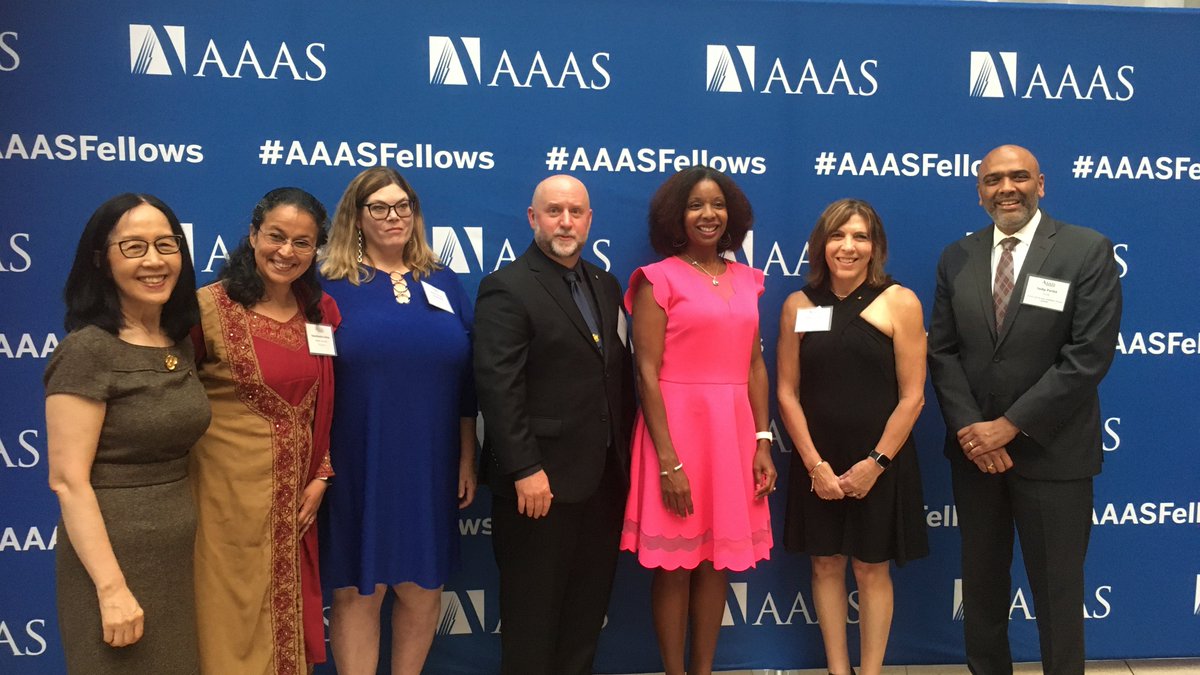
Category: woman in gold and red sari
[264,347]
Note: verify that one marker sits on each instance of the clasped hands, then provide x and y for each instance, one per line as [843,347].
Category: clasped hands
[855,483]
[985,444]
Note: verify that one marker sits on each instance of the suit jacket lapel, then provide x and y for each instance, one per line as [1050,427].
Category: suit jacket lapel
[981,272]
[1039,248]
[550,276]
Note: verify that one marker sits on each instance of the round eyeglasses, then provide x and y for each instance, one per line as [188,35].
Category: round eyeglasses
[300,246]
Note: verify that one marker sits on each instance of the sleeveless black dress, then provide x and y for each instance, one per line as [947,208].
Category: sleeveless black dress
[848,390]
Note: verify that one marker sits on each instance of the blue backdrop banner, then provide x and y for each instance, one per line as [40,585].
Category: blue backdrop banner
[209,105]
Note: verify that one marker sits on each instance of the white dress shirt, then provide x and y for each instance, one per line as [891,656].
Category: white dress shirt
[1025,237]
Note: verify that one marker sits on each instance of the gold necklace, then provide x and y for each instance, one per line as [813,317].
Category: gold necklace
[697,265]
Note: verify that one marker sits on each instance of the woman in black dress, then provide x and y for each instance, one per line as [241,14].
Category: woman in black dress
[851,362]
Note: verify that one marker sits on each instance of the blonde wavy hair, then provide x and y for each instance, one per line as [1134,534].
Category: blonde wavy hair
[339,259]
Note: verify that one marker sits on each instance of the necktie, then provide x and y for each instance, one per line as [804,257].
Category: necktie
[1003,287]
[585,307]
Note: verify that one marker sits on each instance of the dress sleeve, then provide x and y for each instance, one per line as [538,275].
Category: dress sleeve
[323,415]
[662,287]
[760,282]
[468,400]
[79,367]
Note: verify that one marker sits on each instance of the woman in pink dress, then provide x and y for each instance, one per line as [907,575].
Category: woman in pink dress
[701,456]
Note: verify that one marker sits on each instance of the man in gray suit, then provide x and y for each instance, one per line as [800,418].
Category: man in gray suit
[1024,327]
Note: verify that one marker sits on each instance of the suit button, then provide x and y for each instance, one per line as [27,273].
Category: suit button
[997,360]
[604,418]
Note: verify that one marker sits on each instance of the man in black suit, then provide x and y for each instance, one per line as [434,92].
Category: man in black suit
[554,378]
[1024,327]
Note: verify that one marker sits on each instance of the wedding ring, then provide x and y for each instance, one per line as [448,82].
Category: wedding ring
[970,444]
[991,466]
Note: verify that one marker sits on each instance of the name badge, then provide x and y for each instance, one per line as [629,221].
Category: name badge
[320,339]
[813,319]
[1046,293]
[622,327]
[437,297]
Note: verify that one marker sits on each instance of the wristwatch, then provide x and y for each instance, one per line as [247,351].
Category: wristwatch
[881,459]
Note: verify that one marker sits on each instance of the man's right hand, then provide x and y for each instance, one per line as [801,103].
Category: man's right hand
[533,494]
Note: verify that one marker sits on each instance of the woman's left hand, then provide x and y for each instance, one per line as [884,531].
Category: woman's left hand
[764,470]
[859,480]
[310,501]
[466,483]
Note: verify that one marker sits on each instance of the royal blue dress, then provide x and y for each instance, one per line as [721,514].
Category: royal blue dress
[403,381]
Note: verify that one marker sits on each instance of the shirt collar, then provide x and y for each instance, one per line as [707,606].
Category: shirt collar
[1025,234]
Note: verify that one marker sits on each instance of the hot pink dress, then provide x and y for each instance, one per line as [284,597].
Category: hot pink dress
[704,376]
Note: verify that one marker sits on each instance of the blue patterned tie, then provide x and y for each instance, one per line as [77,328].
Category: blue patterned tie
[585,307]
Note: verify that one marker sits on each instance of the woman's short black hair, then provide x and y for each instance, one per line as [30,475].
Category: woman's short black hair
[669,204]
[239,275]
[91,295]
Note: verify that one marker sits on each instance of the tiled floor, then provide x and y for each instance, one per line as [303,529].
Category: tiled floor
[1148,667]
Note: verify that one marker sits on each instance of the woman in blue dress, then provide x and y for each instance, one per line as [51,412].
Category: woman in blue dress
[403,434]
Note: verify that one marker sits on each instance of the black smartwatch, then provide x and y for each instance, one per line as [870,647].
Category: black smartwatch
[881,459]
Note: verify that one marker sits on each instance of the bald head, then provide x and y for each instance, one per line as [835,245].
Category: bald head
[561,216]
[559,184]
[1010,185]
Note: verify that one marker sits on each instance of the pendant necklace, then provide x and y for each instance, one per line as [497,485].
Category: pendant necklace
[697,265]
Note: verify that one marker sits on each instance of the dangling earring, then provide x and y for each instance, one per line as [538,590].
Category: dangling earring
[679,243]
[360,248]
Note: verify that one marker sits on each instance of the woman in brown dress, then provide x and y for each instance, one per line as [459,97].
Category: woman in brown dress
[123,408]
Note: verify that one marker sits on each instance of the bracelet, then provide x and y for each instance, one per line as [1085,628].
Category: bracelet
[665,473]
[764,436]
[812,483]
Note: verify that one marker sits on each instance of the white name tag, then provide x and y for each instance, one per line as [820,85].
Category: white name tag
[1046,293]
[813,319]
[437,297]
[320,339]
[622,327]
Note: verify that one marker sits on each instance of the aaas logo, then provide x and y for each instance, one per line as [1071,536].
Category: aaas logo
[776,260]
[446,67]
[989,75]
[24,639]
[16,259]
[1098,608]
[470,257]
[463,618]
[1112,435]
[769,612]
[1196,606]
[10,60]
[147,56]
[1117,250]
[217,253]
[23,454]
[27,539]
[20,345]
[725,72]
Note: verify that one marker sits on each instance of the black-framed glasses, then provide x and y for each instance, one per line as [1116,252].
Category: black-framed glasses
[301,246]
[138,248]
[380,210]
